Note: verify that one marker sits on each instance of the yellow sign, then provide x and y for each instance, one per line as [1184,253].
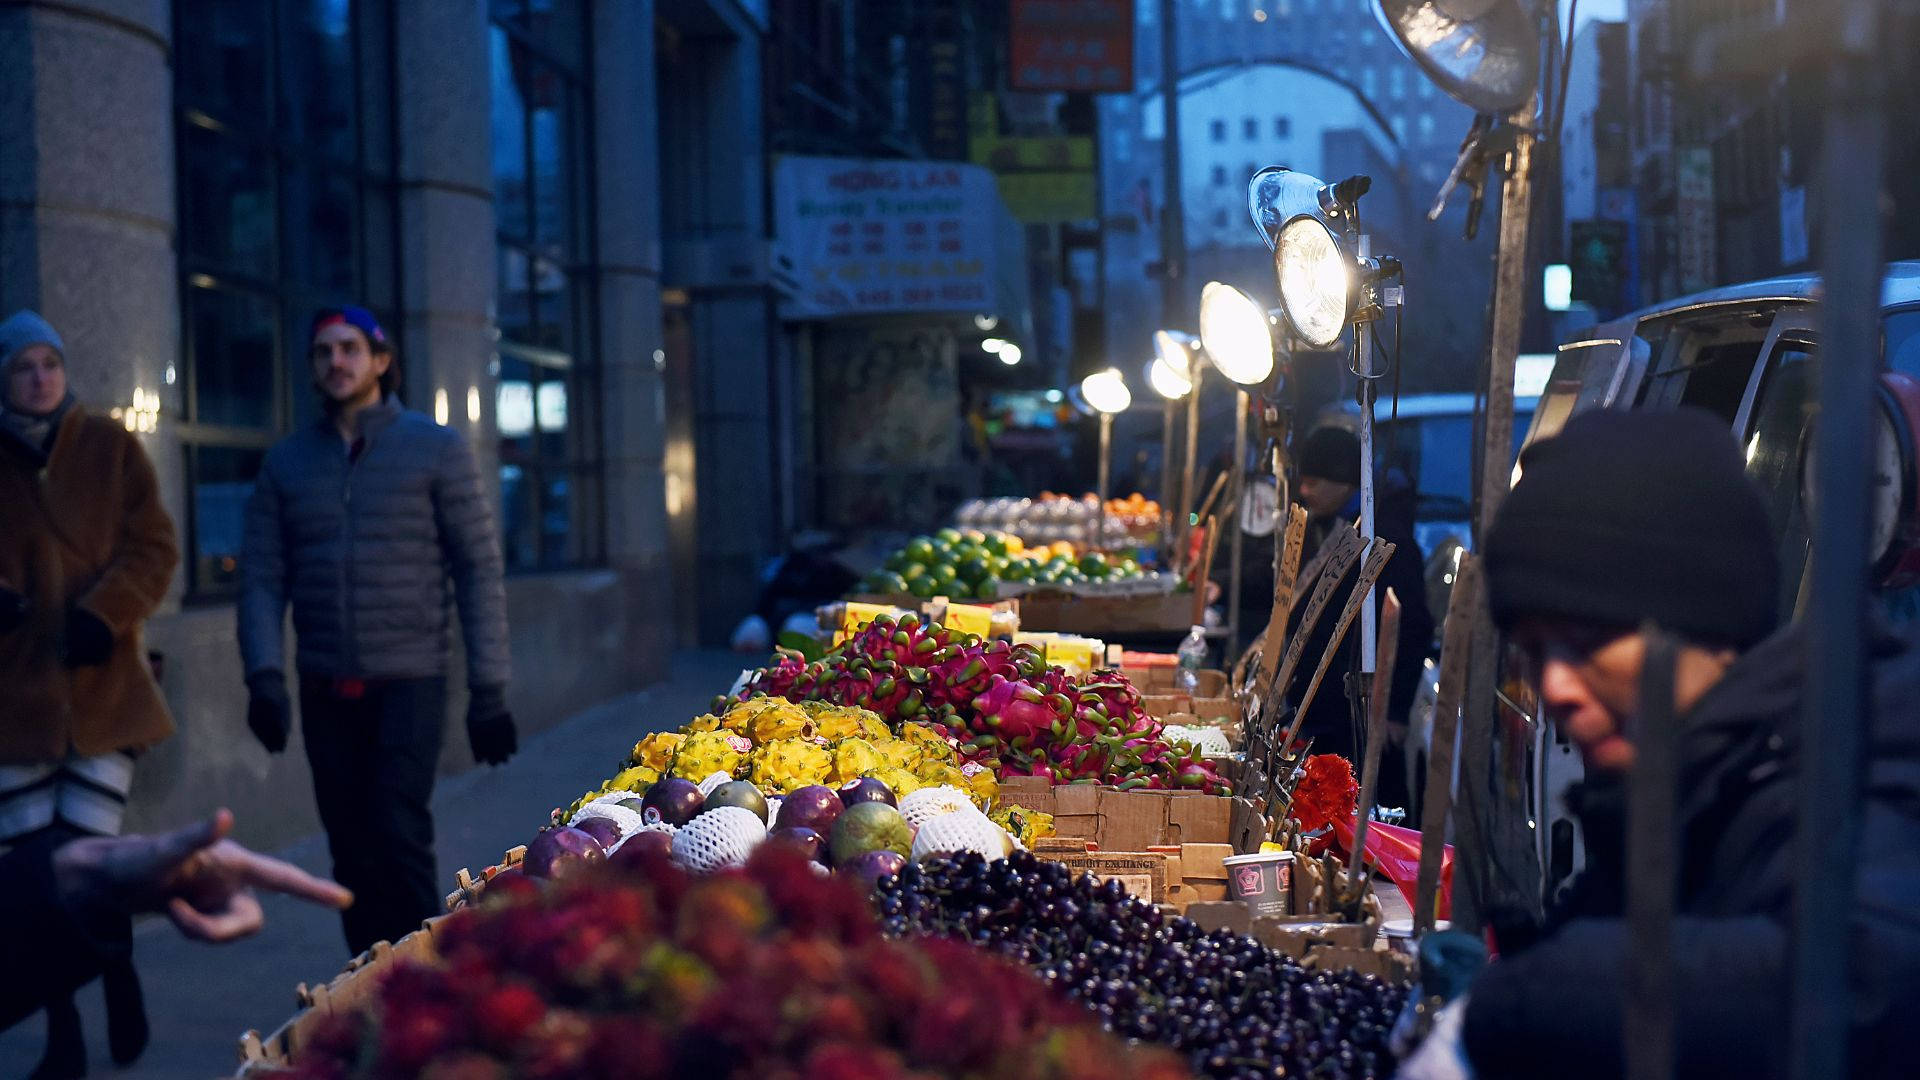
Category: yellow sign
[1042,197]
[970,619]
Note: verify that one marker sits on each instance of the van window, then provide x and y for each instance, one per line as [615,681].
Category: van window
[1708,367]
[1902,341]
[1774,451]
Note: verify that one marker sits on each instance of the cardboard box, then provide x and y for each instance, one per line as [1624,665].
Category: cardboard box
[1130,820]
[1105,616]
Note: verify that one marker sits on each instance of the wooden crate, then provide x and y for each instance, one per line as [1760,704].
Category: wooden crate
[349,991]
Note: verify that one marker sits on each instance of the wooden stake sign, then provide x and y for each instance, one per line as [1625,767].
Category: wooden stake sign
[1362,585]
[1386,652]
[1336,557]
[1283,586]
[1456,643]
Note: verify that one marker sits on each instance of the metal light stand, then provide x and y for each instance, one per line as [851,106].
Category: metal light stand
[1169,417]
[1106,466]
[1195,369]
[1234,507]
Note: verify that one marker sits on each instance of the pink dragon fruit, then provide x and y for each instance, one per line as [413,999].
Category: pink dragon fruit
[1015,710]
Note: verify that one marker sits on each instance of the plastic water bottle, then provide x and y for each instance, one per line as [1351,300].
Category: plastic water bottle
[1193,657]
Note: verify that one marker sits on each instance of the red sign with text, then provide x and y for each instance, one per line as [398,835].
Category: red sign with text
[1072,45]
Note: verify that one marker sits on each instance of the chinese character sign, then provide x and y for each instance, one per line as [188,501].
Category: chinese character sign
[1072,45]
[867,237]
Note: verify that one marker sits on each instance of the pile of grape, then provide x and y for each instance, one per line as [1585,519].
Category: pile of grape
[1236,1008]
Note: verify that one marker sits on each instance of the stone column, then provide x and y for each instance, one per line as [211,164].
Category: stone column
[632,396]
[87,202]
[442,86]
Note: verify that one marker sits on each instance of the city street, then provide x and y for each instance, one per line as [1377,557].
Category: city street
[200,997]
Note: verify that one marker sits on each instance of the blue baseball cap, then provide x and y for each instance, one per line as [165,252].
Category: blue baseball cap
[357,317]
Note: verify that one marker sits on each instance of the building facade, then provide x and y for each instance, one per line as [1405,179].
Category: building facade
[1318,48]
[533,219]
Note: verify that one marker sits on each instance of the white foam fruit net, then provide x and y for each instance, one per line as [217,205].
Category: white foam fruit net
[658,826]
[1210,740]
[928,803]
[714,780]
[966,830]
[624,818]
[717,839]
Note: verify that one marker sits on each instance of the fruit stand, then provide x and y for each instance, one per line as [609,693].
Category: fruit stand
[921,825]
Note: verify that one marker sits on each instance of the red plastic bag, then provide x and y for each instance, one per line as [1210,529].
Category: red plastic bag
[1395,852]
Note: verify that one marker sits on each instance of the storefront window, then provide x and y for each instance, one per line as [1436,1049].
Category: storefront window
[550,515]
[284,118]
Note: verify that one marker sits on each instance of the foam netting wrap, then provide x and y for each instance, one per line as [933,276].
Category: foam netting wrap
[967,830]
[926,804]
[718,838]
[1211,741]
[624,818]
[712,781]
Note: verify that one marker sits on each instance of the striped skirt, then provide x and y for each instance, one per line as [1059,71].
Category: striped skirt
[83,794]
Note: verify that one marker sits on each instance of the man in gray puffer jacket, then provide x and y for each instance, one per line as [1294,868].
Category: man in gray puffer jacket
[361,521]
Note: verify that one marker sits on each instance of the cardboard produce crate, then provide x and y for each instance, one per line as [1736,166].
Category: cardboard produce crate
[1212,701]
[1139,820]
[1172,875]
[1107,616]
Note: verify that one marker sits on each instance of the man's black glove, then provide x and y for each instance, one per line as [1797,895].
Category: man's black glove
[14,609]
[490,730]
[89,639]
[269,713]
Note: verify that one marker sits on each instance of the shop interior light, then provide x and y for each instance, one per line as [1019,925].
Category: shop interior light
[1168,383]
[993,345]
[1010,354]
[986,322]
[1056,397]
[1175,349]
[1316,282]
[1106,391]
[1236,334]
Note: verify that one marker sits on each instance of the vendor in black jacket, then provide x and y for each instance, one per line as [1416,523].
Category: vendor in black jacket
[1631,517]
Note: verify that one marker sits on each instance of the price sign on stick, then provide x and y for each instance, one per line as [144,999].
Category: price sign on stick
[1456,642]
[1362,586]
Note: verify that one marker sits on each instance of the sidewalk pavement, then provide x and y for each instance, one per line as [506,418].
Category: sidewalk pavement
[200,998]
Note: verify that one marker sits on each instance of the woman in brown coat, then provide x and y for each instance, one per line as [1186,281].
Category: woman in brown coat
[86,553]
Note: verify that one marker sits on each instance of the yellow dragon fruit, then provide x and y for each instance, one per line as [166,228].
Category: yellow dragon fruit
[774,723]
[939,773]
[656,750]
[709,752]
[742,713]
[899,754]
[701,724]
[846,722]
[786,765]
[900,781]
[932,741]
[983,783]
[1023,824]
[638,779]
[852,759]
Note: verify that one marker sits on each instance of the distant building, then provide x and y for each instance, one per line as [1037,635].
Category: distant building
[1597,202]
[1310,46]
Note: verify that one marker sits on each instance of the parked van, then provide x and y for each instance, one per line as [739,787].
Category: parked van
[1746,352]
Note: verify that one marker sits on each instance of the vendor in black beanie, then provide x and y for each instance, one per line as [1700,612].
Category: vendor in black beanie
[1631,517]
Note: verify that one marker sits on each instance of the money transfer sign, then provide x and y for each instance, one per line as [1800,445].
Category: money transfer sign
[870,237]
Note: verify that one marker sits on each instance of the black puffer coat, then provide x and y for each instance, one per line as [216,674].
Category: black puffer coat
[369,549]
[1556,1008]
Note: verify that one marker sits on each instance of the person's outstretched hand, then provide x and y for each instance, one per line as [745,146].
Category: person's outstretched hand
[203,881]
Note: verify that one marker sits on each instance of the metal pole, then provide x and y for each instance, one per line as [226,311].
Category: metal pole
[1229,517]
[1106,467]
[1173,242]
[1193,455]
[1368,632]
[1648,1033]
[1498,858]
[1169,416]
[1833,725]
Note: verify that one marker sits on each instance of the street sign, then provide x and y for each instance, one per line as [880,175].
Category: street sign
[1071,46]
